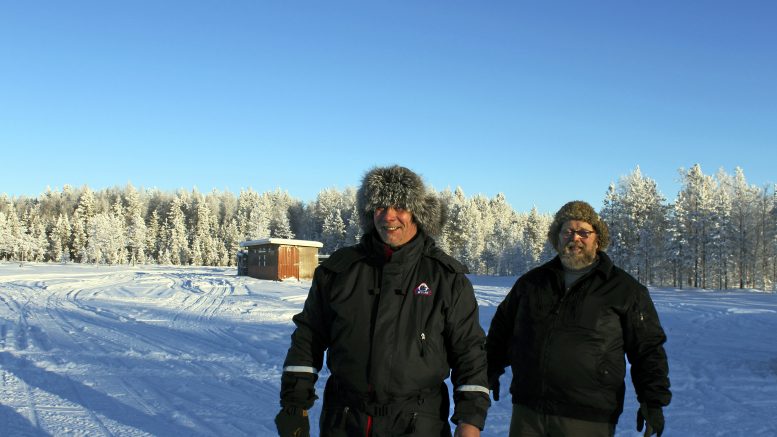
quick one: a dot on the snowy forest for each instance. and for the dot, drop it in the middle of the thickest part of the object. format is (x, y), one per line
(718, 233)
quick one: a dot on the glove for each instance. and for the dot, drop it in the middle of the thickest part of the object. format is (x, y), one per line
(493, 384)
(293, 422)
(653, 417)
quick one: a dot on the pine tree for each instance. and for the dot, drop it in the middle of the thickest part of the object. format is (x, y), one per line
(176, 245)
(327, 201)
(105, 243)
(136, 226)
(742, 212)
(60, 237)
(35, 240)
(333, 232)
(353, 230)
(453, 237)
(17, 231)
(6, 237)
(204, 244)
(476, 223)
(500, 246)
(694, 210)
(153, 235)
(253, 213)
(231, 238)
(635, 213)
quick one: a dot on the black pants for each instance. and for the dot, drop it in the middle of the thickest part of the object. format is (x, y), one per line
(345, 414)
(529, 423)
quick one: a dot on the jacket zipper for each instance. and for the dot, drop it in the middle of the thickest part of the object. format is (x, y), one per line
(553, 325)
(423, 343)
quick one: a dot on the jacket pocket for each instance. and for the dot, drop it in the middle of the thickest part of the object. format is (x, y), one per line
(419, 424)
(338, 422)
(611, 374)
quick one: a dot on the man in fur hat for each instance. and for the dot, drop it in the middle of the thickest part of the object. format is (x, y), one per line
(395, 315)
(565, 327)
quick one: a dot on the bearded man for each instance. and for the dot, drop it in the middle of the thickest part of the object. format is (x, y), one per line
(565, 327)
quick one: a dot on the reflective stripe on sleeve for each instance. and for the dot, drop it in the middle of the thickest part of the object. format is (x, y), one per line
(478, 388)
(300, 369)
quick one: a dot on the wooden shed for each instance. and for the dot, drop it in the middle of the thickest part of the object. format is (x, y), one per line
(278, 258)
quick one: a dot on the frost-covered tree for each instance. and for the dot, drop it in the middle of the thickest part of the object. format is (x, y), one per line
(10, 234)
(16, 244)
(327, 201)
(34, 240)
(353, 230)
(476, 221)
(106, 239)
(85, 211)
(254, 215)
(59, 239)
(153, 236)
(637, 219)
(176, 244)
(743, 200)
(694, 212)
(333, 232)
(231, 237)
(766, 232)
(77, 238)
(136, 225)
(204, 246)
(280, 225)
(452, 238)
(502, 236)
(535, 239)
(721, 234)
(120, 230)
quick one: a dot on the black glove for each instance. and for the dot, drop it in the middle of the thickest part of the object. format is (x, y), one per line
(653, 416)
(293, 422)
(493, 384)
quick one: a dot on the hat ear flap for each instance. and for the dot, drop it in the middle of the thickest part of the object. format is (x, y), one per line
(430, 219)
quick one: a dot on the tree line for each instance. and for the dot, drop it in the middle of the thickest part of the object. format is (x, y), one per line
(719, 232)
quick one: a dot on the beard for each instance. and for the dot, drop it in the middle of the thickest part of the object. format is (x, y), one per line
(577, 259)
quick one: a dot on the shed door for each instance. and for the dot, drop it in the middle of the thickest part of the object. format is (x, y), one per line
(288, 262)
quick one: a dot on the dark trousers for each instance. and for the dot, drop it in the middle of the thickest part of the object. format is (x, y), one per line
(529, 423)
(345, 414)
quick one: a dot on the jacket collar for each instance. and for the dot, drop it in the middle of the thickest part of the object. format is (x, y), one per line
(377, 251)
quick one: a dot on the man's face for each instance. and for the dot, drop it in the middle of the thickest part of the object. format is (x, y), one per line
(395, 225)
(575, 250)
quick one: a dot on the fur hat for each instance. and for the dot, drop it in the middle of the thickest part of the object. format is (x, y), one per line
(401, 187)
(579, 210)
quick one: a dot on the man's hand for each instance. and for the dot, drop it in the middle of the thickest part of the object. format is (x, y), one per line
(466, 430)
(493, 383)
(653, 417)
(293, 422)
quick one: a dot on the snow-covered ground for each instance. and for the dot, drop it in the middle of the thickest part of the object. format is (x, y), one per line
(138, 351)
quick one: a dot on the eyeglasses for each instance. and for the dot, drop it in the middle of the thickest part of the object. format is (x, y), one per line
(582, 233)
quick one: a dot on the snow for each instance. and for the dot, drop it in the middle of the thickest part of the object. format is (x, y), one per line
(164, 351)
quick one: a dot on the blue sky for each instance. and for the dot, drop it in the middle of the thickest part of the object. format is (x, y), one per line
(542, 101)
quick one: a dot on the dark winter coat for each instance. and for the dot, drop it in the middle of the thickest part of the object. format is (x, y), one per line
(393, 330)
(566, 346)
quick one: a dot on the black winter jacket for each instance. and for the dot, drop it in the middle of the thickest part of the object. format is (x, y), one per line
(393, 330)
(566, 347)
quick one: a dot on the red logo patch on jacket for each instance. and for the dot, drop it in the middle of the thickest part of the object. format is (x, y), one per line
(423, 289)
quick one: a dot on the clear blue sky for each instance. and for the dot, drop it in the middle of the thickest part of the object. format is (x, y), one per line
(543, 101)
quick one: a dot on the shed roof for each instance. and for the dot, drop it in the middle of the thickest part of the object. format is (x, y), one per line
(281, 241)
